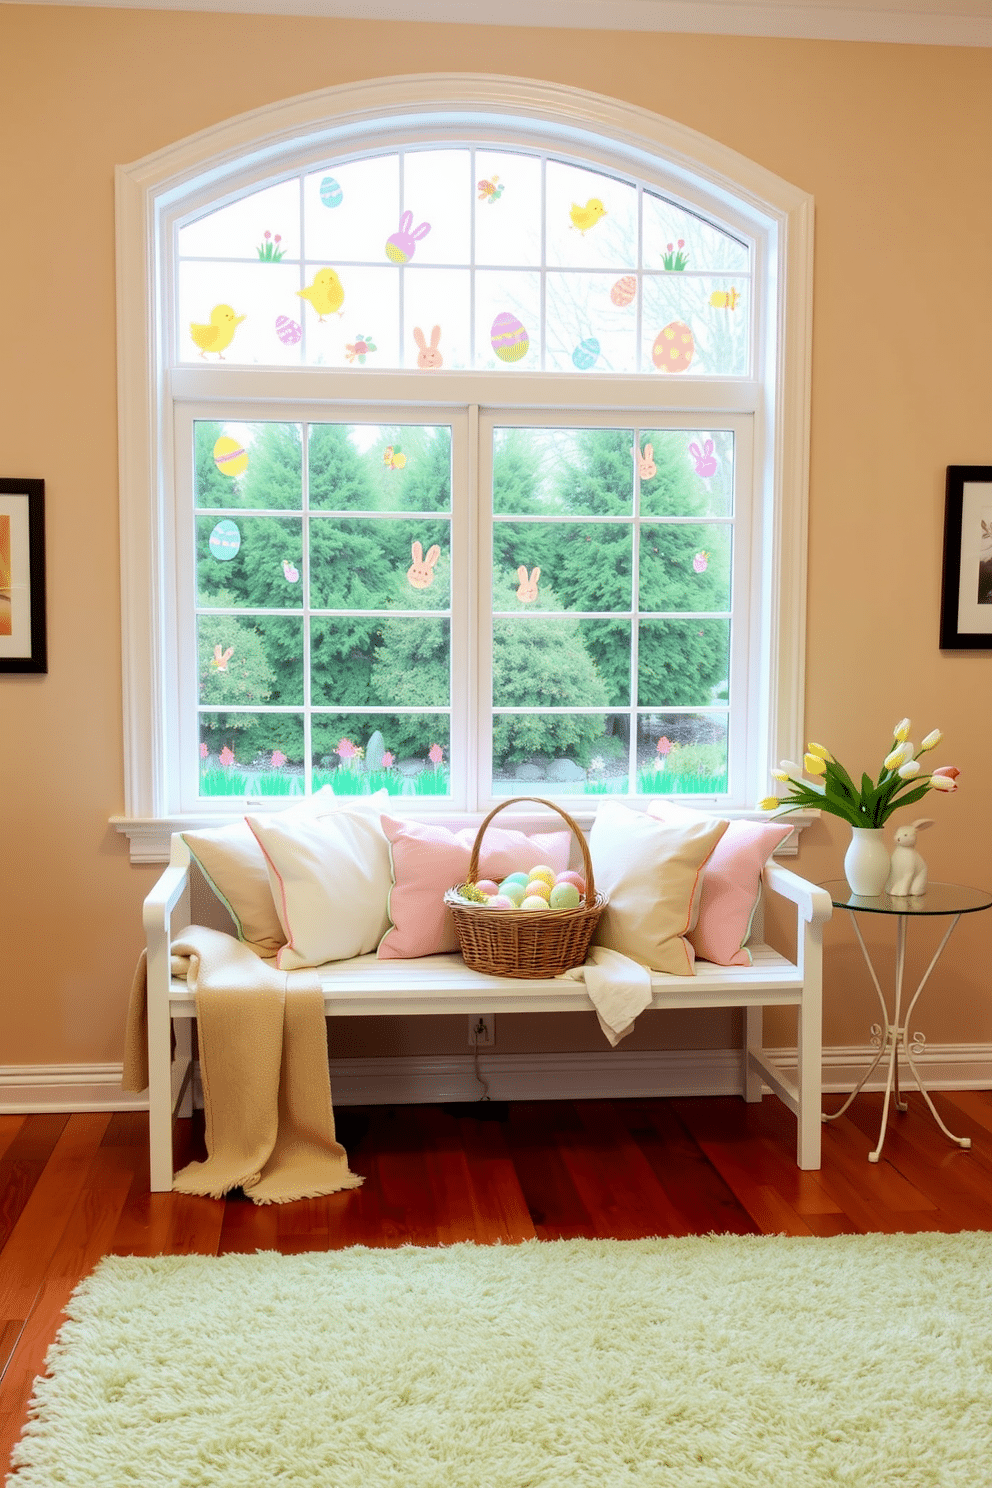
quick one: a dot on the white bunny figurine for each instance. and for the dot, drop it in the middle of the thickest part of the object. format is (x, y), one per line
(908, 873)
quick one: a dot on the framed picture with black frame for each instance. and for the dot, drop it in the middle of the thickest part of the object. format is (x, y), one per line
(966, 593)
(23, 635)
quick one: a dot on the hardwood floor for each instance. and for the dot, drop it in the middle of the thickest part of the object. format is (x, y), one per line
(75, 1188)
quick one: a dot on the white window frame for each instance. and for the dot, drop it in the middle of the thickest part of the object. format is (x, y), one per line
(221, 163)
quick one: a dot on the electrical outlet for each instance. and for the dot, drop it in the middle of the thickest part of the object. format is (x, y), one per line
(481, 1030)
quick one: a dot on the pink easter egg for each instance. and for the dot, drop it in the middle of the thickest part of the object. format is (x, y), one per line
(673, 347)
(624, 290)
(537, 887)
(288, 331)
(500, 901)
(487, 886)
(570, 876)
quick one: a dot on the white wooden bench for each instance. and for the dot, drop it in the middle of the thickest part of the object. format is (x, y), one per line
(366, 986)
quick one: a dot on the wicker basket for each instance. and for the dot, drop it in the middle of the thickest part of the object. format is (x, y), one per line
(525, 943)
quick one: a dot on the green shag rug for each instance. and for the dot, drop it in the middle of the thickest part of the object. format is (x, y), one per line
(717, 1362)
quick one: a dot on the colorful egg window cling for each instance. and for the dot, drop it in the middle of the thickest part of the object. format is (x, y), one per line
(290, 332)
(490, 191)
(230, 457)
(624, 291)
(358, 350)
(225, 540)
(509, 337)
(583, 218)
(724, 299)
(393, 457)
(218, 335)
(703, 460)
(402, 245)
(330, 192)
(673, 348)
(701, 562)
(586, 354)
(325, 293)
(290, 572)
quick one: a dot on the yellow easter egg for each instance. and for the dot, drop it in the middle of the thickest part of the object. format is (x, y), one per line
(534, 901)
(229, 457)
(543, 871)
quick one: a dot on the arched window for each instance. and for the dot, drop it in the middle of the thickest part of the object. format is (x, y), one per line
(474, 453)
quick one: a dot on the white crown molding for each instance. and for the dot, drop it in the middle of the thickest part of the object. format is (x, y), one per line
(959, 23)
(613, 1074)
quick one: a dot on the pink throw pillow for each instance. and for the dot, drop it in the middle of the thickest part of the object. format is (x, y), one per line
(731, 884)
(428, 860)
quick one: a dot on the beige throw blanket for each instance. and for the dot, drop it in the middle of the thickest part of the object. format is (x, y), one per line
(263, 1063)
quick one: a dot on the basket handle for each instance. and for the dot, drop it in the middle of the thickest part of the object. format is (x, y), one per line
(473, 866)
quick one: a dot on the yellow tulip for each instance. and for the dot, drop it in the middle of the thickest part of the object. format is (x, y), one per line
(821, 753)
(901, 731)
(770, 803)
(931, 741)
(779, 775)
(813, 764)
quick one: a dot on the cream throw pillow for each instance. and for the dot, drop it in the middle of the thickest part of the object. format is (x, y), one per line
(234, 865)
(652, 874)
(330, 880)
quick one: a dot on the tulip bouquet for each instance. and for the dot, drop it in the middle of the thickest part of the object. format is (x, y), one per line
(901, 782)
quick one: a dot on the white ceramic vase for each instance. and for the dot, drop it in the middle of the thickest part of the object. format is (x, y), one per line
(866, 862)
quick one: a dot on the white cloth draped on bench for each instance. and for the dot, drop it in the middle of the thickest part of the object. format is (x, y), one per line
(263, 1063)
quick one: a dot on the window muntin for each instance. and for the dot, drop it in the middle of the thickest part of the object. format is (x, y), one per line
(525, 262)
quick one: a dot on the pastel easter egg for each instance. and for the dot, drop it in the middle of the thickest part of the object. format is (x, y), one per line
(330, 192)
(534, 901)
(229, 457)
(225, 540)
(624, 290)
(543, 871)
(510, 340)
(520, 878)
(565, 896)
(586, 353)
(487, 886)
(570, 876)
(515, 892)
(288, 331)
(501, 901)
(539, 889)
(673, 347)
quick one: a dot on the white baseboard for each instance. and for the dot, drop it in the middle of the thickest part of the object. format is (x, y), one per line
(608, 1075)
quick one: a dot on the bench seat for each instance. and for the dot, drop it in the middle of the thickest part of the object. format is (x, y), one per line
(431, 985)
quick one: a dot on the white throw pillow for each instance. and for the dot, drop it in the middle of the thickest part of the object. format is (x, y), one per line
(234, 865)
(652, 873)
(330, 880)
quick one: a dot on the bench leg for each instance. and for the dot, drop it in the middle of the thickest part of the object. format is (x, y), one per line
(753, 1039)
(809, 1050)
(160, 1098)
(183, 1028)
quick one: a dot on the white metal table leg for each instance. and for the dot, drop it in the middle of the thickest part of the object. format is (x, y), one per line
(961, 1141)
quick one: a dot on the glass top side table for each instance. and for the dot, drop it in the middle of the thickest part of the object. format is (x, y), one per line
(940, 899)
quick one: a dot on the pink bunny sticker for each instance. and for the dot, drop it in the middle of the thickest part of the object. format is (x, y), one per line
(646, 468)
(527, 593)
(428, 357)
(221, 658)
(703, 459)
(421, 570)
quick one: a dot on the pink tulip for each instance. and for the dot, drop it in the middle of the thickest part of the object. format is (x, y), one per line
(346, 749)
(945, 779)
(226, 756)
(951, 771)
(435, 754)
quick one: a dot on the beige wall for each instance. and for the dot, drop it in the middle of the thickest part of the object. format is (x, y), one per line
(893, 144)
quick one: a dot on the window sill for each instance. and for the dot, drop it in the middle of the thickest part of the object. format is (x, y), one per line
(150, 837)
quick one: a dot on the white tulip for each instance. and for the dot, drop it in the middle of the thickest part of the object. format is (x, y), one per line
(909, 769)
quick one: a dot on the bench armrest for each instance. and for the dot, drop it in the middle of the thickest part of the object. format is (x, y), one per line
(812, 902)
